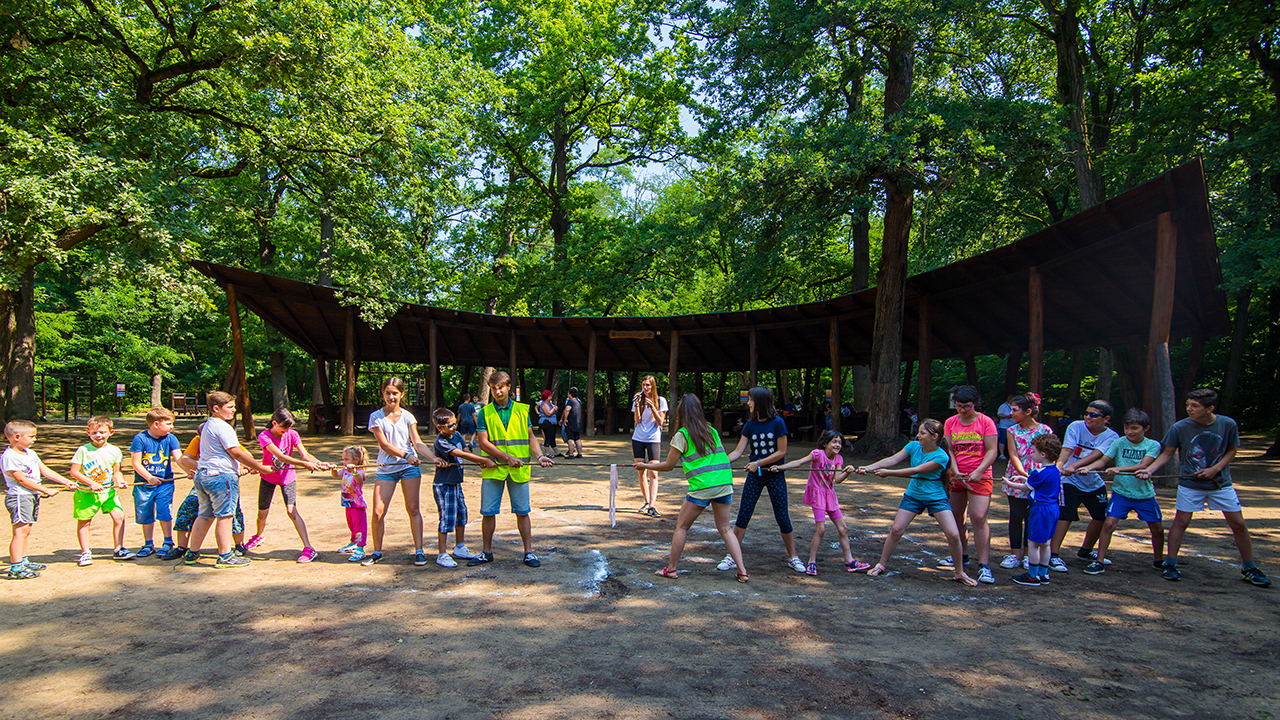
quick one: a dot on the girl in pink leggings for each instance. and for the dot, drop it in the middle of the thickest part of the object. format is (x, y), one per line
(354, 458)
(820, 494)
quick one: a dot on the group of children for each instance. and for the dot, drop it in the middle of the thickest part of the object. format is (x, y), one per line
(949, 466)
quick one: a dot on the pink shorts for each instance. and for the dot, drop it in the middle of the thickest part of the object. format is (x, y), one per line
(820, 516)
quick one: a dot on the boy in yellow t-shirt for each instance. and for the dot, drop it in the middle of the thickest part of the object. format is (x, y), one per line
(96, 469)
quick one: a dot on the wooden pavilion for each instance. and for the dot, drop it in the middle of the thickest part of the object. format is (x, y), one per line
(1138, 269)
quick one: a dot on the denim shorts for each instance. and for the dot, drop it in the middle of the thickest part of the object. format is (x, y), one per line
(725, 499)
(916, 505)
(408, 472)
(153, 502)
(219, 494)
(491, 496)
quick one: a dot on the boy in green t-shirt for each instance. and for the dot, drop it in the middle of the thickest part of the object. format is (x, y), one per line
(1128, 492)
(96, 469)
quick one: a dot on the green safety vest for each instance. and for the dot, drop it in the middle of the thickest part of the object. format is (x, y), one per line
(512, 439)
(707, 470)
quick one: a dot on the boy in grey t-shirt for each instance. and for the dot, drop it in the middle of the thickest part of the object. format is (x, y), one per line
(1207, 442)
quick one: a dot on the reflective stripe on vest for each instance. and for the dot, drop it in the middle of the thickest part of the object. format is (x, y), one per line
(707, 470)
(513, 439)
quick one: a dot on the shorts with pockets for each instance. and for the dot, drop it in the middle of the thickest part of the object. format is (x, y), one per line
(153, 502)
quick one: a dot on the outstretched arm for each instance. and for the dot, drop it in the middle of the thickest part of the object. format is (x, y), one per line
(673, 459)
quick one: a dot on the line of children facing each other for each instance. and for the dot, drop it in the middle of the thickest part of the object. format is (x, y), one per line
(1041, 505)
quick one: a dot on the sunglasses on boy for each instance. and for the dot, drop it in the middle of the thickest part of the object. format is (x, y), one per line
(1094, 414)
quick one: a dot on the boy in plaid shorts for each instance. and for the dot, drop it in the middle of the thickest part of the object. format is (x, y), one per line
(451, 447)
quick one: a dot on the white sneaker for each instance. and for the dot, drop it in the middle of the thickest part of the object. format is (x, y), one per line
(795, 564)
(443, 560)
(985, 576)
(1026, 563)
(86, 559)
(1010, 562)
(1057, 565)
(727, 563)
(461, 552)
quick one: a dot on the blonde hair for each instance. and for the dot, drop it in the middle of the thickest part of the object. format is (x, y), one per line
(98, 420)
(358, 451)
(16, 426)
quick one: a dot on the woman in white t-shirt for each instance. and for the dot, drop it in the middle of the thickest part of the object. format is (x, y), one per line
(650, 412)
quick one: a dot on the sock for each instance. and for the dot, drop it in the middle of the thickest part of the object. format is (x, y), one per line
(1250, 565)
(1053, 555)
(25, 560)
(1044, 571)
(225, 556)
(168, 540)
(15, 567)
(1171, 560)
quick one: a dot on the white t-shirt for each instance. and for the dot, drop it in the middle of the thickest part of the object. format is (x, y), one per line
(648, 430)
(1005, 422)
(1081, 443)
(397, 435)
(27, 463)
(215, 438)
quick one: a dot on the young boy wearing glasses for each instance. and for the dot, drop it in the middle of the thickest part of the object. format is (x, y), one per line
(1085, 442)
(451, 447)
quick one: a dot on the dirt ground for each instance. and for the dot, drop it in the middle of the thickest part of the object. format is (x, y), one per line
(593, 633)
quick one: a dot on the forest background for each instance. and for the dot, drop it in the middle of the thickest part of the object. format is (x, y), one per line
(599, 157)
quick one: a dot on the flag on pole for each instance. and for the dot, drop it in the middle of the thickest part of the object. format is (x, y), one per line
(613, 496)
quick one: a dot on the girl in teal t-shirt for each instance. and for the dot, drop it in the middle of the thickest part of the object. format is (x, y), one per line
(927, 491)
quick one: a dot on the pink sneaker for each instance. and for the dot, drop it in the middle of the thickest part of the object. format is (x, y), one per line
(308, 555)
(254, 542)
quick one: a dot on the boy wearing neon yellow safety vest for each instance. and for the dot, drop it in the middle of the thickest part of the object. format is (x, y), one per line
(696, 447)
(504, 433)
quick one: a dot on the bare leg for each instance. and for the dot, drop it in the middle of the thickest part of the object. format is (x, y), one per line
(1157, 540)
(525, 526)
(298, 524)
(411, 487)
(788, 541)
(261, 525)
(442, 540)
(382, 494)
(819, 529)
(82, 534)
(721, 513)
(644, 485)
(199, 528)
(1059, 534)
(459, 532)
(900, 523)
(222, 534)
(117, 529)
(488, 523)
(1180, 522)
(959, 502)
(1235, 520)
(947, 522)
(1091, 534)
(1104, 540)
(688, 513)
(978, 508)
(149, 533)
(18, 545)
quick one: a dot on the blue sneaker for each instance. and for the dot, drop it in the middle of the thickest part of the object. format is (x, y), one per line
(419, 558)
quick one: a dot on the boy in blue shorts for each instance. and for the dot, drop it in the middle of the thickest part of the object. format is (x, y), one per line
(96, 469)
(22, 470)
(1045, 485)
(152, 453)
(1134, 452)
(1207, 442)
(451, 447)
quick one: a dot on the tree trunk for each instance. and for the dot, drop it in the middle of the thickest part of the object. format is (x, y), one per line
(1012, 368)
(1071, 89)
(1106, 370)
(279, 380)
(157, 394)
(1073, 386)
(21, 382)
(1235, 360)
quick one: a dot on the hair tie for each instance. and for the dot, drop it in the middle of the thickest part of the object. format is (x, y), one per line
(1034, 397)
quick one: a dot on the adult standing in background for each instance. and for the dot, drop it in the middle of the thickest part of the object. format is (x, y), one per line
(650, 412)
(572, 421)
(548, 424)
(1004, 421)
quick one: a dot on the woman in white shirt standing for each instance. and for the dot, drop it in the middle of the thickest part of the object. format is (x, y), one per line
(650, 412)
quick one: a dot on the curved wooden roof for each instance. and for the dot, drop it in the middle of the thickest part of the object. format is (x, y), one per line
(1097, 270)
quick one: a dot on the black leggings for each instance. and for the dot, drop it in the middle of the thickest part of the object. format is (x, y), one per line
(1019, 509)
(776, 483)
(549, 436)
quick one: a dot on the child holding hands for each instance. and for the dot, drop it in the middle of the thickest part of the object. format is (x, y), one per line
(1045, 486)
(96, 470)
(351, 473)
(22, 470)
(450, 447)
(820, 495)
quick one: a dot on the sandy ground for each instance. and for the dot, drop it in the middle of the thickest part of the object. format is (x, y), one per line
(593, 633)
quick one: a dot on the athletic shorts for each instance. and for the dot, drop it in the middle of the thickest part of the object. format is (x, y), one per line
(267, 491)
(915, 505)
(84, 505)
(1095, 501)
(491, 496)
(574, 435)
(961, 484)
(820, 515)
(219, 493)
(647, 451)
(153, 502)
(1148, 509)
(1192, 500)
(1042, 522)
(23, 509)
(466, 427)
(451, 504)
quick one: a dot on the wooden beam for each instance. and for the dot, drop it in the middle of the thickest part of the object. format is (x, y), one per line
(1159, 376)
(673, 367)
(237, 347)
(1035, 334)
(349, 362)
(433, 359)
(924, 378)
(590, 429)
(833, 344)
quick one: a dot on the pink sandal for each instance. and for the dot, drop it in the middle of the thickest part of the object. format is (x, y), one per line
(666, 572)
(857, 566)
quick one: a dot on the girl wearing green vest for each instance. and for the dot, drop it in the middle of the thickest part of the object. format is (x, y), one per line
(696, 447)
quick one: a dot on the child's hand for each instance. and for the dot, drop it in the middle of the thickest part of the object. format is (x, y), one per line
(48, 491)
(861, 470)
(121, 484)
(153, 480)
(774, 469)
(1111, 472)
(94, 486)
(881, 472)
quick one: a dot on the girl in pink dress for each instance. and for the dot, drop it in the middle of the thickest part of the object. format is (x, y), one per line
(825, 472)
(354, 458)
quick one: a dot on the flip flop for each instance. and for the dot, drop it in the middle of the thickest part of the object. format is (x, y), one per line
(666, 572)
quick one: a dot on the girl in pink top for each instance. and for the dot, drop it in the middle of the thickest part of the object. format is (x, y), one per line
(972, 437)
(354, 458)
(825, 472)
(1025, 414)
(279, 441)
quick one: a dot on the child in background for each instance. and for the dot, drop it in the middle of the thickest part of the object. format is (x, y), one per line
(928, 456)
(151, 454)
(96, 469)
(1134, 452)
(820, 495)
(278, 442)
(1024, 410)
(352, 475)
(22, 470)
(1045, 486)
(447, 486)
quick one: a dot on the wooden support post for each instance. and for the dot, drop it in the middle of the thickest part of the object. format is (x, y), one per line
(610, 413)
(971, 370)
(1159, 376)
(673, 381)
(512, 363)
(906, 383)
(349, 363)
(924, 378)
(1035, 334)
(319, 386)
(464, 387)
(1193, 367)
(833, 343)
(590, 429)
(237, 348)
(434, 366)
(751, 379)
(784, 388)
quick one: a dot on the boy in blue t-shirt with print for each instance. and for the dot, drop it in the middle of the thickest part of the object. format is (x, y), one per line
(1045, 485)
(152, 453)
(1134, 452)
(451, 447)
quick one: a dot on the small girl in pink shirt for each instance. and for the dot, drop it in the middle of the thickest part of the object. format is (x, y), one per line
(825, 472)
(354, 458)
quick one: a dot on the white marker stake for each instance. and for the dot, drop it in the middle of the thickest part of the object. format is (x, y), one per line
(613, 496)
